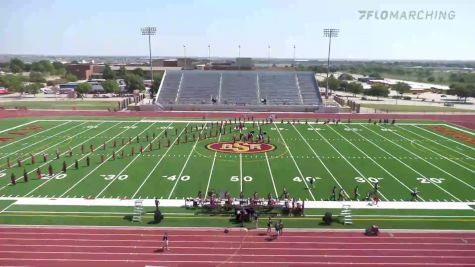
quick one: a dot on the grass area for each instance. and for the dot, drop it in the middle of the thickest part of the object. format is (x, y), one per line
(416, 78)
(62, 104)
(120, 216)
(400, 157)
(413, 108)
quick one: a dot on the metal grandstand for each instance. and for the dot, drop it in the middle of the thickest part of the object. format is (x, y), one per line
(251, 90)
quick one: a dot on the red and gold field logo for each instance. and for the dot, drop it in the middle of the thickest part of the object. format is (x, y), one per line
(240, 147)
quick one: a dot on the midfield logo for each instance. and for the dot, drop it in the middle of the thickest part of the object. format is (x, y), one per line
(240, 147)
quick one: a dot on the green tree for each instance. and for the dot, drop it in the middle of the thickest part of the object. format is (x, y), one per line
(33, 88)
(377, 90)
(139, 72)
(460, 90)
(108, 73)
(83, 88)
(401, 88)
(16, 65)
(111, 86)
(431, 79)
(345, 77)
(122, 72)
(333, 83)
(134, 82)
(37, 77)
(70, 77)
(355, 88)
(12, 82)
(59, 68)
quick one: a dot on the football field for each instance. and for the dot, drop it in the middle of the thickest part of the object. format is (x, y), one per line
(173, 159)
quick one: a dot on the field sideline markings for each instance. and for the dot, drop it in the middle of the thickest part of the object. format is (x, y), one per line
(445, 137)
(459, 129)
(51, 160)
(271, 176)
(69, 189)
(316, 155)
(293, 159)
(156, 165)
(375, 162)
(186, 162)
(440, 155)
(32, 135)
(441, 188)
(44, 139)
(18, 126)
(351, 164)
(64, 153)
(430, 163)
(212, 166)
(466, 156)
(128, 164)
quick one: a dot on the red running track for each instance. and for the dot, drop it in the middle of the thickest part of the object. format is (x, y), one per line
(133, 247)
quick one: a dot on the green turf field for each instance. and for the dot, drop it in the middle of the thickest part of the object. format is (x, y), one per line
(400, 157)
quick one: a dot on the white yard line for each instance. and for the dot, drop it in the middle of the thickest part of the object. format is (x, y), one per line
(18, 126)
(293, 159)
(459, 129)
(156, 165)
(186, 162)
(271, 176)
(42, 184)
(375, 162)
(69, 189)
(32, 135)
(212, 166)
(417, 172)
(440, 155)
(240, 170)
(321, 161)
(349, 163)
(42, 140)
(128, 164)
(440, 135)
(430, 163)
(51, 160)
(7, 207)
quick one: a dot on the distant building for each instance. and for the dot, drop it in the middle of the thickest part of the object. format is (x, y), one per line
(82, 71)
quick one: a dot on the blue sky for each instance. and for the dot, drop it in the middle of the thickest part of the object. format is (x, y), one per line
(112, 27)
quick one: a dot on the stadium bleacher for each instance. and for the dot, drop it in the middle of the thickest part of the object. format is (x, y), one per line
(243, 88)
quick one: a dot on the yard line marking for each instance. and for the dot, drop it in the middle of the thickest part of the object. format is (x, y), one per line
(240, 169)
(126, 129)
(293, 159)
(375, 162)
(212, 166)
(29, 136)
(358, 171)
(271, 176)
(433, 141)
(128, 164)
(430, 163)
(18, 126)
(42, 140)
(321, 161)
(440, 135)
(440, 155)
(423, 176)
(51, 160)
(156, 165)
(42, 184)
(186, 162)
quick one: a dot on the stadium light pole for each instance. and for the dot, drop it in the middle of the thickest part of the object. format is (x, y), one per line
(184, 54)
(239, 57)
(149, 31)
(268, 55)
(329, 33)
(209, 56)
(294, 59)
